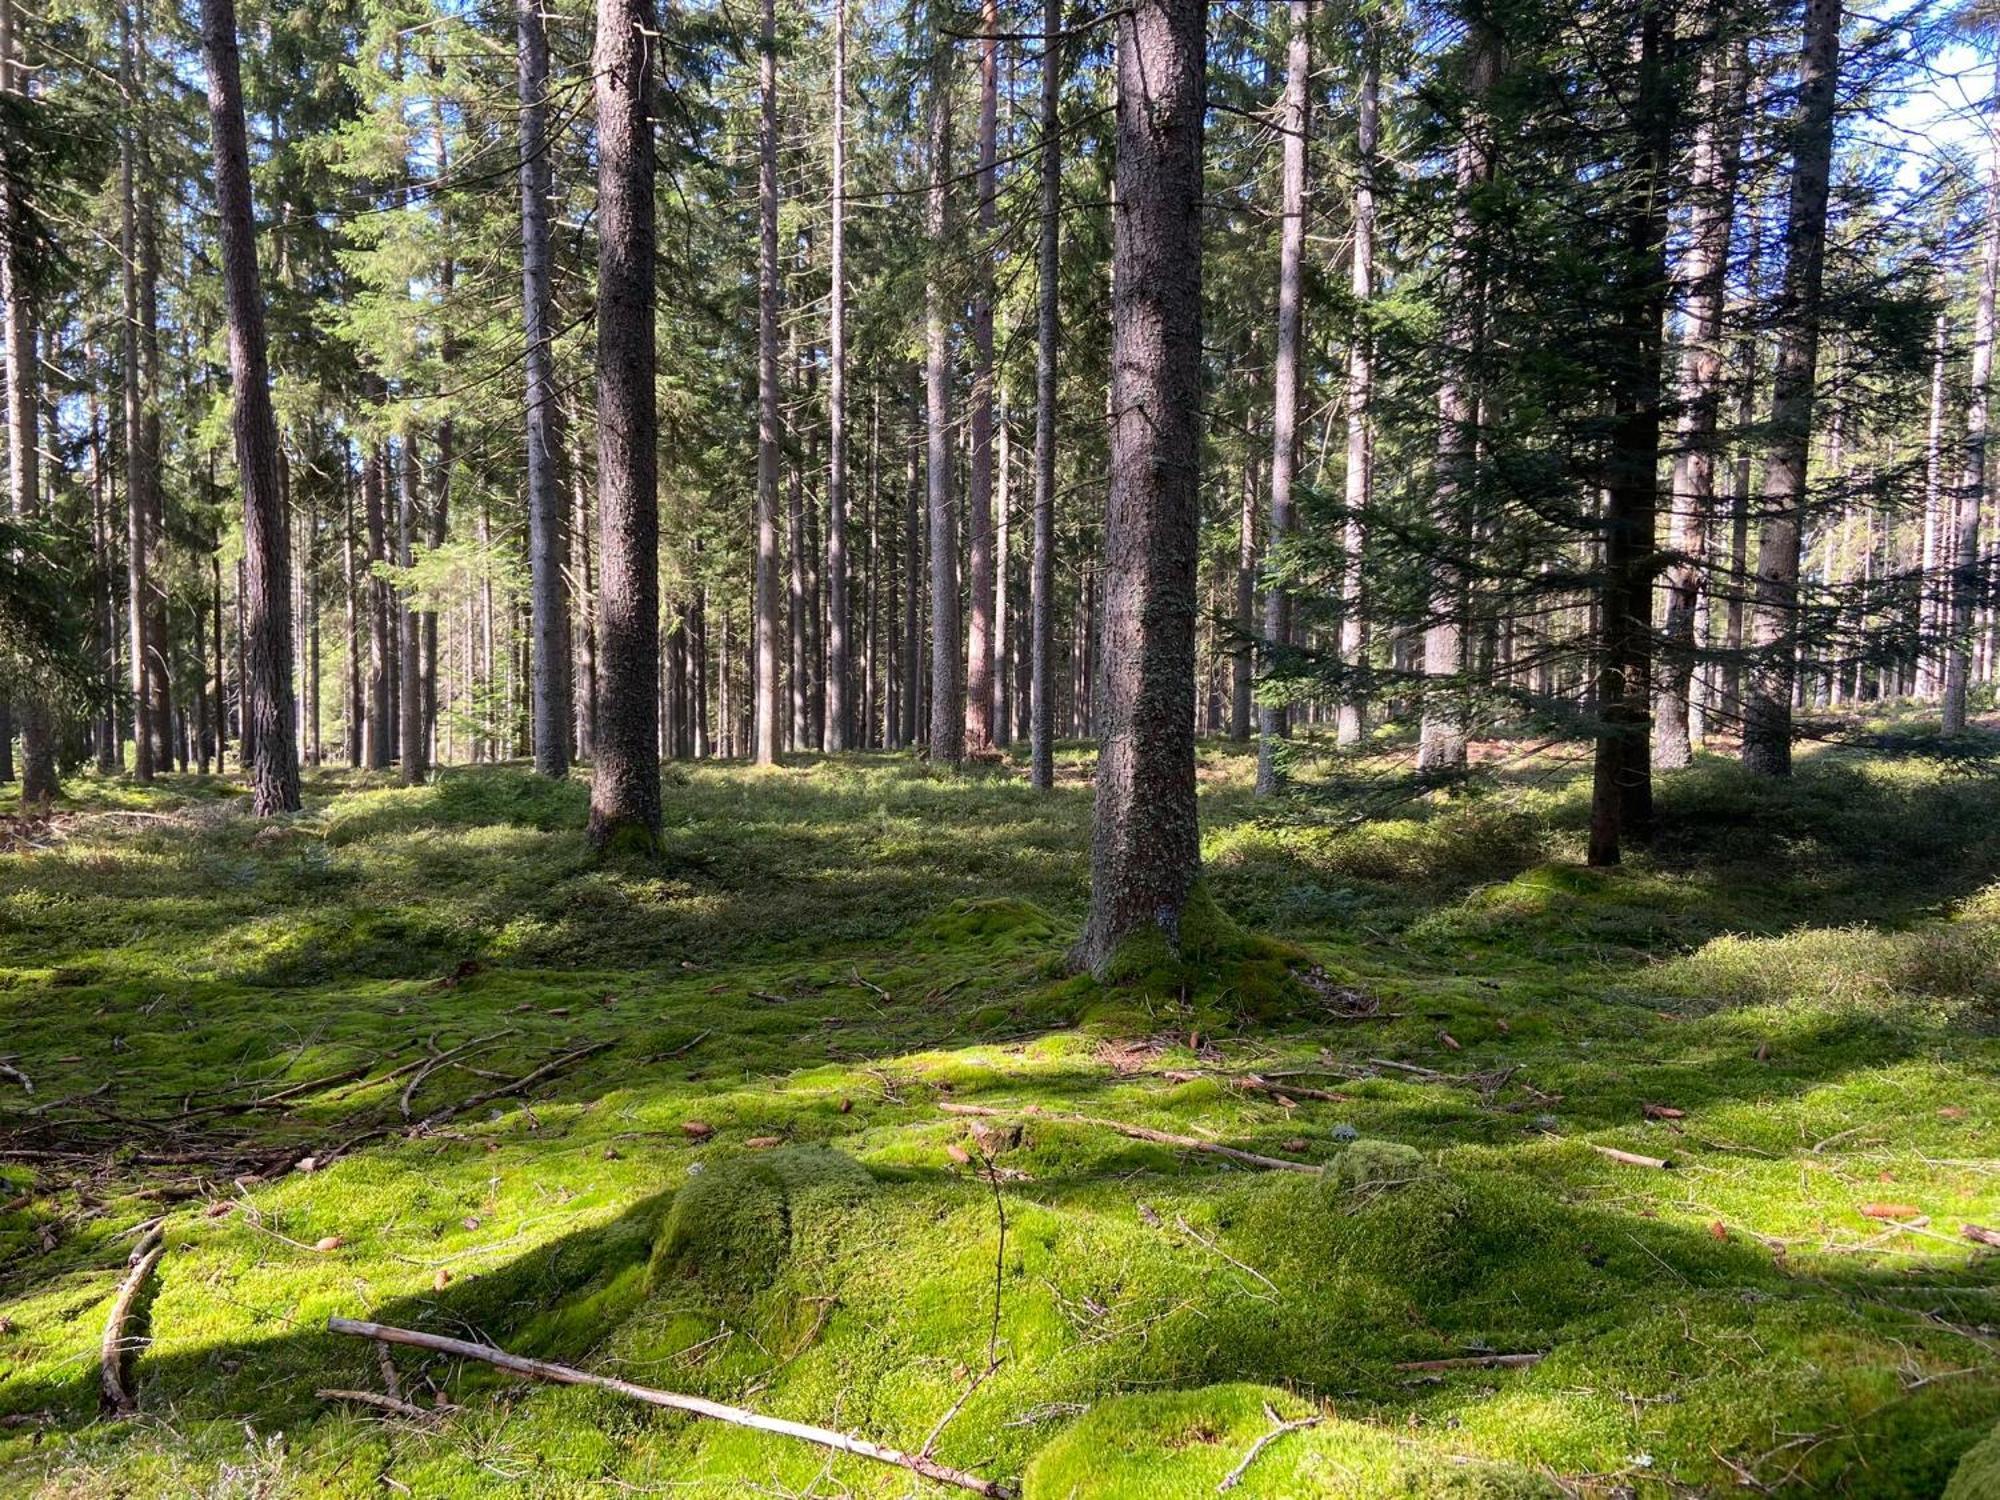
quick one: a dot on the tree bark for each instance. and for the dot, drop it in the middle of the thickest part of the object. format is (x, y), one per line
(1295, 115)
(1704, 277)
(1145, 848)
(1931, 590)
(138, 548)
(1971, 499)
(1041, 566)
(268, 718)
(410, 695)
(1360, 485)
(947, 716)
(378, 730)
(979, 490)
(548, 535)
(625, 784)
(770, 422)
(1767, 709)
(838, 714)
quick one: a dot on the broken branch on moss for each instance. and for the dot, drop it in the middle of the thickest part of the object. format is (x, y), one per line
(1137, 1133)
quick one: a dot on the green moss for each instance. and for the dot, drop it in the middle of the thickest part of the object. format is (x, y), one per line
(1369, 1162)
(731, 1228)
(1977, 1476)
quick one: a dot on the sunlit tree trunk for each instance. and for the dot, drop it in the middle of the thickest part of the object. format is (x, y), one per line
(839, 715)
(1360, 485)
(979, 489)
(1041, 565)
(625, 781)
(947, 718)
(1767, 708)
(1145, 850)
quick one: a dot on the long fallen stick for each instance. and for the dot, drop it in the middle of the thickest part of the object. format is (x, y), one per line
(1138, 1133)
(1475, 1362)
(519, 1085)
(538, 1369)
(119, 1400)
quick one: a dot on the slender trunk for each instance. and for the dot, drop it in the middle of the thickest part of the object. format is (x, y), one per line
(1041, 566)
(947, 718)
(138, 549)
(379, 729)
(1931, 589)
(625, 784)
(979, 487)
(1242, 661)
(410, 693)
(352, 620)
(1767, 711)
(912, 571)
(1145, 849)
(1273, 720)
(770, 428)
(1003, 535)
(1360, 491)
(1622, 791)
(548, 535)
(839, 716)
(1971, 500)
(274, 772)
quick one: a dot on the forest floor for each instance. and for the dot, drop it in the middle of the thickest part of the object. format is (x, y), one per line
(295, 1041)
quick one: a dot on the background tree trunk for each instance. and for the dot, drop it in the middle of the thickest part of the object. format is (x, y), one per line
(1041, 565)
(838, 714)
(1145, 856)
(947, 717)
(770, 422)
(979, 491)
(625, 784)
(1360, 488)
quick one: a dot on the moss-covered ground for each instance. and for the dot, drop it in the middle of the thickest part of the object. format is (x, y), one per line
(749, 1190)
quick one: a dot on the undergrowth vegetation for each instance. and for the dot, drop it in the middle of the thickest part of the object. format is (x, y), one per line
(737, 1177)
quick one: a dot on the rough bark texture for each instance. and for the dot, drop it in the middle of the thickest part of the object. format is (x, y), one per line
(1704, 279)
(138, 548)
(1971, 498)
(1296, 122)
(770, 422)
(1621, 808)
(838, 714)
(979, 489)
(1767, 708)
(1930, 602)
(379, 733)
(1041, 565)
(410, 694)
(548, 536)
(268, 716)
(625, 784)
(1360, 486)
(1145, 853)
(1441, 747)
(947, 716)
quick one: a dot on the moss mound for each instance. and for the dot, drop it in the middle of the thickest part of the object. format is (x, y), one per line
(1368, 1161)
(731, 1229)
(1179, 1445)
(1978, 1474)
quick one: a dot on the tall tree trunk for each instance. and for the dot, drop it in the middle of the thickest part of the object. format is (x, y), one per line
(1360, 491)
(138, 549)
(1971, 500)
(410, 694)
(355, 688)
(1931, 590)
(838, 714)
(274, 770)
(625, 784)
(1242, 659)
(947, 718)
(146, 431)
(1041, 565)
(1767, 710)
(979, 488)
(912, 553)
(548, 533)
(1273, 720)
(1145, 855)
(1442, 744)
(1704, 277)
(1003, 535)
(1622, 790)
(379, 729)
(770, 421)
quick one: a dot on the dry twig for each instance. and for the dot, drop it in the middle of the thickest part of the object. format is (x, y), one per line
(119, 1399)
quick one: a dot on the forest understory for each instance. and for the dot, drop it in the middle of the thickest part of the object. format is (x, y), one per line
(753, 1157)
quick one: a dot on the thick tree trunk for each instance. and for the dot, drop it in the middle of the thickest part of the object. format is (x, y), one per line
(268, 718)
(625, 784)
(138, 549)
(979, 489)
(1295, 115)
(548, 534)
(1442, 744)
(1704, 278)
(770, 422)
(1360, 490)
(1971, 499)
(1621, 807)
(1767, 710)
(410, 693)
(1145, 848)
(1041, 565)
(838, 714)
(379, 728)
(947, 717)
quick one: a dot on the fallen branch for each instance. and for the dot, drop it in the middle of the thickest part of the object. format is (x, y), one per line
(119, 1400)
(1979, 1234)
(525, 1081)
(1278, 1429)
(1632, 1159)
(380, 1402)
(14, 1075)
(438, 1059)
(1476, 1362)
(537, 1369)
(1137, 1133)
